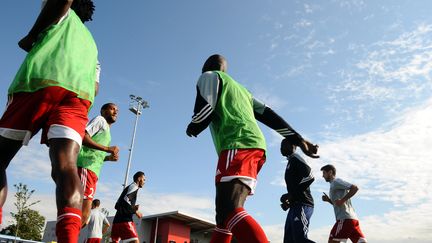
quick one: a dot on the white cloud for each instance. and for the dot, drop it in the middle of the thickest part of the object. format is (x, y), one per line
(394, 73)
(388, 158)
(303, 23)
(31, 162)
(265, 95)
(351, 4)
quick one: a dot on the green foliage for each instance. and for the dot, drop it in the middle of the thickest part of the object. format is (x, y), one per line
(30, 226)
(28, 222)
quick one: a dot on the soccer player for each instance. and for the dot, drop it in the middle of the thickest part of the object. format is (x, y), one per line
(53, 90)
(231, 111)
(298, 178)
(97, 223)
(123, 225)
(96, 144)
(347, 225)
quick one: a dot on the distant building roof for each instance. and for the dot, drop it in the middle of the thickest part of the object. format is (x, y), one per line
(196, 224)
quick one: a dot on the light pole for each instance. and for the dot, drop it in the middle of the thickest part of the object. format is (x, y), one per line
(136, 105)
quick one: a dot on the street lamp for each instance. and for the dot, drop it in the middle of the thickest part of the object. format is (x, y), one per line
(136, 105)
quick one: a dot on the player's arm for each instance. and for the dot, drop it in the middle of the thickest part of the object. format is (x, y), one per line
(208, 90)
(326, 198)
(51, 14)
(113, 150)
(306, 177)
(138, 213)
(98, 70)
(106, 225)
(128, 202)
(352, 191)
(94, 126)
(268, 117)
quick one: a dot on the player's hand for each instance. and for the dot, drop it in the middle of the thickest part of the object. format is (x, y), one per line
(189, 131)
(113, 150)
(27, 42)
(309, 149)
(285, 197)
(138, 214)
(325, 197)
(112, 157)
(285, 206)
(339, 202)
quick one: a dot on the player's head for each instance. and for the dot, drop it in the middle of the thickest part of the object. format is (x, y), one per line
(287, 148)
(329, 172)
(139, 178)
(95, 203)
(84, 9)
(215, 62)
(109, 112)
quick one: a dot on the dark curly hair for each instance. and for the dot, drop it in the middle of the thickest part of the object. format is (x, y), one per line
(84, 9)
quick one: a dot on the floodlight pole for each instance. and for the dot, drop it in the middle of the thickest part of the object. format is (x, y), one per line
(137, 104)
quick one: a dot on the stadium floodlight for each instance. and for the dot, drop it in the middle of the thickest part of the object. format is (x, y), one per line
(136, 105)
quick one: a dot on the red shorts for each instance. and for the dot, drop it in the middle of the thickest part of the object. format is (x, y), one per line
(123, 231)
(88, 181)
(345, 229)
(242, 164)
(93, 240)
(55, 110)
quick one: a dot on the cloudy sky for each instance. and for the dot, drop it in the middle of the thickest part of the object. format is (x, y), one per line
(352, 76)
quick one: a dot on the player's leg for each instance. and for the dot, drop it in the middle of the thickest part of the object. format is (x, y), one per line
(20, 121)
(237, 170)
(88, 182)
(356, 234)
(135, 240)
(301, 217)
(63, 153)
(64, 131)
(126, 231)
(8, 149)
(230, 198)
(338, 233)
(86, 209)
(288, 230)
(115, 233)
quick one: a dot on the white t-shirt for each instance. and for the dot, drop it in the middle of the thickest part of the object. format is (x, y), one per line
(97, 220)
(97, 124)
(338, 189)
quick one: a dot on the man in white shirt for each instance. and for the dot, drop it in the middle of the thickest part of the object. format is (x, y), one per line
(347, 225)
(97, 225)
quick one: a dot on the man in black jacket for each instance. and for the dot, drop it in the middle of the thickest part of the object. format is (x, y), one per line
(298, 178)
(123, 225)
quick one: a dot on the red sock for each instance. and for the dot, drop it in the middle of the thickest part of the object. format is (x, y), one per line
(221, 236)
(68, 225)
(1, 215)
(245, 228)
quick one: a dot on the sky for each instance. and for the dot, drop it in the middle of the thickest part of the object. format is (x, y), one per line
(352, 76)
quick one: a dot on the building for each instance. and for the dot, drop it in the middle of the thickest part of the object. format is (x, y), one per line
(170, 227)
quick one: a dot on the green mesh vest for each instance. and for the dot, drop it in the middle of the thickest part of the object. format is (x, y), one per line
(65, 55)
(93, 159)
(234, 125)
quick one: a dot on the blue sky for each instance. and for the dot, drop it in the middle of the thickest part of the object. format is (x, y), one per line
(352, 76)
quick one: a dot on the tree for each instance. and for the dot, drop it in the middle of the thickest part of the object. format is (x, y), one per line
(29, 223)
